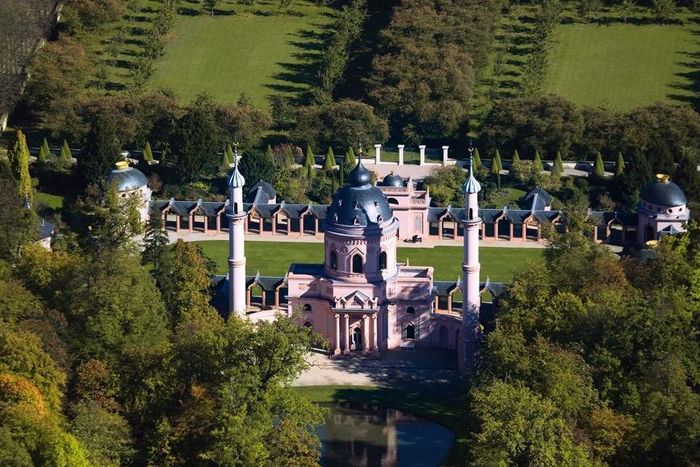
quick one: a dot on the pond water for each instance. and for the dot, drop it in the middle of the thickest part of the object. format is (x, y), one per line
(363, 435)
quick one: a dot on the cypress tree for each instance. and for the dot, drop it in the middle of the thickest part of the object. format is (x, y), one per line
(309, 160)
(229, 154)
(598, 167)
(225, 164)
(329, 161)
(20, 166)
(537, 162)
(350, 160)
(269, 152)
(477, 159)
(65, 157)
(288, 156)
(147, 152)
(516, 157)
(44, 153)
(619, 165)
(496, 167)
(558, 164)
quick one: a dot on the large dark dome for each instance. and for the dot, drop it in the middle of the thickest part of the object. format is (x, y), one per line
(360, 203)
(126, 178)
(663, 192)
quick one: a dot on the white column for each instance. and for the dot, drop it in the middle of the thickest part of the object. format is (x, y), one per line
(421, 148)
(337, 335)
(365, 334)
(444, 154)
(236, 259)
(346, 350)
(377, 153)
(471, 301)
(401, 146)
(375, 337)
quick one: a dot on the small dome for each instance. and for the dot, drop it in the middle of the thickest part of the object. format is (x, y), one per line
(663, 192)
(126, 178)
(393, 180)
(359, 176)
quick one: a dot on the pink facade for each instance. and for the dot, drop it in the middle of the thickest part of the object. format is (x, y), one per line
(361, 299)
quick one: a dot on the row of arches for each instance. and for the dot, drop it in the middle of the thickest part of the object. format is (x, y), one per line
(357, 262)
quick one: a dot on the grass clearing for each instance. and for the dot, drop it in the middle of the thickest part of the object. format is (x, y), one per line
(274, 258)
(623, 66)
(258, 50)
(49, 200)
(446, 411)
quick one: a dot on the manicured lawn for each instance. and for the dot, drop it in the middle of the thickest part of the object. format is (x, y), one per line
(446, 411)
(258, 50)
(49, 200)
(274, 258)
(622, 66)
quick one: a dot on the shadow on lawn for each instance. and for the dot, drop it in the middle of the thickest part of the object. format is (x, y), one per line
(689, 79)
(298, 78)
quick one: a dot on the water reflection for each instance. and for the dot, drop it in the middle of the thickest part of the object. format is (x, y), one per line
(363, 435)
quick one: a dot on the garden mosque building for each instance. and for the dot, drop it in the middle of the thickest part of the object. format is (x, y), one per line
(361, 299)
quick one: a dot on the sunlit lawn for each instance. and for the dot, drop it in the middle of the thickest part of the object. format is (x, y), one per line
(274, 258)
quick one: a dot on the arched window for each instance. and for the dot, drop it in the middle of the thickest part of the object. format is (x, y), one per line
(308, 324)
(471, 214)
(410, 310)
(357, 263)
(307, 308)
(235, 208)
(382, 260)
(410, 332)
(334, 260)
(393, 201)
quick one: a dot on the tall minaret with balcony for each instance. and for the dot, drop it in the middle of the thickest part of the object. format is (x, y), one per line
(471, 301)
(236, 246)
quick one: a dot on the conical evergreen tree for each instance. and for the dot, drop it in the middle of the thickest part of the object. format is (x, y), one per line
(598, 166)
(619, 165)
(309, 162)
(558, 164)
(65, 157)
(269, 152)
(147, 152)
(496, 164)
(20, 166)
(557, 169)
(496, 167)
(288, 156)
(229, 154)
(537, 162)
(329, 161)
(350, 159)
(477, 159)
(225, 165)
(516, 157)
(44, 153)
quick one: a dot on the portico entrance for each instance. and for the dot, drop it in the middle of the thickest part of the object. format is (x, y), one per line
(357, 339)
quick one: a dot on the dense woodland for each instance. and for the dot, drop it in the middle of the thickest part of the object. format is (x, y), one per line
(104, 362)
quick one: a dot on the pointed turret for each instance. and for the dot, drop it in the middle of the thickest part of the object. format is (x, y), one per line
(236, 257)
(471, 303)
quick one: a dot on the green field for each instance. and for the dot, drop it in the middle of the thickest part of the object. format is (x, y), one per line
(274, 258)
(258, 50)
(623, 66)
(49, 200)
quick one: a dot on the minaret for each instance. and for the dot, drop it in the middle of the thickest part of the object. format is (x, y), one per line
(236, 246)
(471, 301)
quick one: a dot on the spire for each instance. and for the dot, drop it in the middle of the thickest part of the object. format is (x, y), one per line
(236, 180)
(471, 185)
